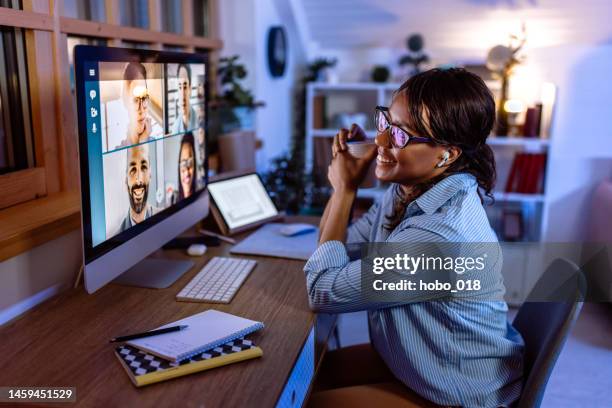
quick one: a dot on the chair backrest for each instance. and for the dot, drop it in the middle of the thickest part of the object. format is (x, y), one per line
(544, 321)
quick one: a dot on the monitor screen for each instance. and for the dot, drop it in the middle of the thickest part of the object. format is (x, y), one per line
(242, 200)
(145, 133)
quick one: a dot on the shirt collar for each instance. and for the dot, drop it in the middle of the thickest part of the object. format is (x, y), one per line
(443, 191)
(132, 222)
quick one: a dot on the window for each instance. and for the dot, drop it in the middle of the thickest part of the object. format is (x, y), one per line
(135, 13)
(85, 10)
(10, 4)
(172, 16)
(200, 18)
(16, 142)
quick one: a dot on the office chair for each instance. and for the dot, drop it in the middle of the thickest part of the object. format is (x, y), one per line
(544, 321)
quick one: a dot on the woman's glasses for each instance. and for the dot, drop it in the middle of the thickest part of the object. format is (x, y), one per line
(141, 101)
(399, 137)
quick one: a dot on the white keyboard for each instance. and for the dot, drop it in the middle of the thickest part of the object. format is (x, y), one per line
(218, 281)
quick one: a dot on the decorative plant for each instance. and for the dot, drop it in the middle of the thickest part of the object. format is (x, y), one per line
(231, 95)
(315, 68)
(380, 73)
(287, 182)
(230, 72)
(501, 61)
(416, 56)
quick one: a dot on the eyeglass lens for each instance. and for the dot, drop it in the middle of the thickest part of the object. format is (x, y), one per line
(398, 136)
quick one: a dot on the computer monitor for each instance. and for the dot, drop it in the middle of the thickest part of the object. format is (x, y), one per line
(143, 159)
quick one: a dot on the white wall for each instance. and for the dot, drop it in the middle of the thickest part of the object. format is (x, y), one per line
(33, 276)
(244, 28)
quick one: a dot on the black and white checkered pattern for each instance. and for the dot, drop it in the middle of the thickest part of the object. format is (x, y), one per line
(141, 362)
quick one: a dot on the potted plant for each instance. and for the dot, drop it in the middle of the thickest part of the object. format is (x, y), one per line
(234, 106)
(320, 70)
(288, 184)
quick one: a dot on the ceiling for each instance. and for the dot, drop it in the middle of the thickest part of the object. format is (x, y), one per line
(450, 24)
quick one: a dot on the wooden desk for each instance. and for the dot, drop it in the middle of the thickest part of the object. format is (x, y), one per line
(64, 341)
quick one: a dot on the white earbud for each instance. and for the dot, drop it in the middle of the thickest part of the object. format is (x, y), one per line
(445, 158)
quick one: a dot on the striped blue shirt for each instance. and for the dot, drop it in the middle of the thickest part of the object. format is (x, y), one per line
(459, 351)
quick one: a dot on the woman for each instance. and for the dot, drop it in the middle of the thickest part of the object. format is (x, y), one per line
(187, 166)
(456, 350)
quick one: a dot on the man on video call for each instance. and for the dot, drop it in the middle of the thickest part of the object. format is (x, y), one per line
(136, 99)
(187, 117)
(137, 178)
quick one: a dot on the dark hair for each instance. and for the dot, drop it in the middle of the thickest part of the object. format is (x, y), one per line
(186, 67)
(134, 70)
(453, 107)
(189, 140)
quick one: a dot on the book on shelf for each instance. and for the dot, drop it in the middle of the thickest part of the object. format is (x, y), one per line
(527, 174)
(533, 118)
(318, 112)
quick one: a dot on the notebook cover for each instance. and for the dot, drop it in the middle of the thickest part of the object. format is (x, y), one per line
(144, 368)
(206, 331)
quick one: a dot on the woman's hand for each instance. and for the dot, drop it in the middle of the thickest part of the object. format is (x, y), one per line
(345, 173)
(344, 135)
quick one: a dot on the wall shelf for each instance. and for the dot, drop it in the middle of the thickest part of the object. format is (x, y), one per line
(530, 143)
(519, 197)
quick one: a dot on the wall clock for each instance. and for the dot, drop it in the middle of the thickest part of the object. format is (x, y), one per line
(277, 51)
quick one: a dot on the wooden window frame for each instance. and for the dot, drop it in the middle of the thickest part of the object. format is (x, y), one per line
(36, 191)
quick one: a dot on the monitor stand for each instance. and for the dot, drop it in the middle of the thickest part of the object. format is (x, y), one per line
(156, 273)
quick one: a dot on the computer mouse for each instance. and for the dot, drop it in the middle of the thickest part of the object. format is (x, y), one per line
(196, 249)
(291, 230)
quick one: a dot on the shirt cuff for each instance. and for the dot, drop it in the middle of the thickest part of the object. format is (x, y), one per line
(330, 254)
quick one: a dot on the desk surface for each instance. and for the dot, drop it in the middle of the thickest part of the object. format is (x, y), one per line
(64, 341)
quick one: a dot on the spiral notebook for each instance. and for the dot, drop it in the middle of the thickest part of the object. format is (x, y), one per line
(206, 331)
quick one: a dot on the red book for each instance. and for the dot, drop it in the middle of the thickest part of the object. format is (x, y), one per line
(513, 176)
(532, 122)
(539, 185)
(527, 174)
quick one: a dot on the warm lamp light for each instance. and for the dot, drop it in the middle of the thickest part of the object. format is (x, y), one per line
(513, 106)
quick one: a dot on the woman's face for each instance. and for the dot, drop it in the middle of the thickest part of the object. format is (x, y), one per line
(411, 165)
(187, 166)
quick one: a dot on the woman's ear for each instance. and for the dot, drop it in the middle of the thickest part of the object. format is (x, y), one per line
(454, 154)
(449, 155)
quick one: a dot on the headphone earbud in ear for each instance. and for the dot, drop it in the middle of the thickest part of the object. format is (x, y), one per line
(445, 158)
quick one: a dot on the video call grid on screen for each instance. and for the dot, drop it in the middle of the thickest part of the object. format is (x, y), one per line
(147, 122)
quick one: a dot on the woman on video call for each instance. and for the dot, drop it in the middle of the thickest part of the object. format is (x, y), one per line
(187, 166)
(455, 351)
